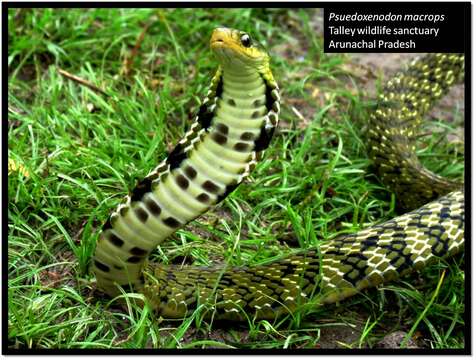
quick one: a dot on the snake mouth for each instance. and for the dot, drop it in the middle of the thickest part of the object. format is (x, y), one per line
(217, 43)
(218, 37)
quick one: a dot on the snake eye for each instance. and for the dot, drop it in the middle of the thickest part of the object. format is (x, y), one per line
(245, 40)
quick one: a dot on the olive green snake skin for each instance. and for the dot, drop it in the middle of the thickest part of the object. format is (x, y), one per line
(235, 123)
(394, 125)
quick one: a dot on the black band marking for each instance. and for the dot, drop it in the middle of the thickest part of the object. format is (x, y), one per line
(144, 186)
(241, 147)
(257, 103)
(204, 117)
(138, 251)
(229, 189)
(134, 259)
(264, 138)
(231, 102)
(107, 224)
(204, 198)
(141, 214)
(210, 187)
(219, 138)
(171, 222)
(247, 136)
(153, 207)
(219, 89)
(222, 128)
(176, 157)
(182, 181)
(115, 240)
(190, 172)
(101, 266)
(269, 96)
(256, 114)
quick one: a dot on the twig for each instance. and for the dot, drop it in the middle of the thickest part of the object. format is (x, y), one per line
(81, 81)
(298, 114)
(127, 64)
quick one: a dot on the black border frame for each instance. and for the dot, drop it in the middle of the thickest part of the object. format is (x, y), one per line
(464, 6)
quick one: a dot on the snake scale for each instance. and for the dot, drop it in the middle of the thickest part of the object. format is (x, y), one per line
(234, 125)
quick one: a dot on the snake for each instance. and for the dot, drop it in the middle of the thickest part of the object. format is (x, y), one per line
(393, 126)
(234, 125)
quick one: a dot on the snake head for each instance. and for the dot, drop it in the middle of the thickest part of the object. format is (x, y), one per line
(236, 49)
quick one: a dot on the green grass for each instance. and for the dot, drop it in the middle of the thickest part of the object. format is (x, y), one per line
(83, 151)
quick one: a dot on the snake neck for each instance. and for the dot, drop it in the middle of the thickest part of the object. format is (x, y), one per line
(241, 107)
(234, 124)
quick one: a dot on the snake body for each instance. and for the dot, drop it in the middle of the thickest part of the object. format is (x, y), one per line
(341, 268)
(393, 127)
(235, 123)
